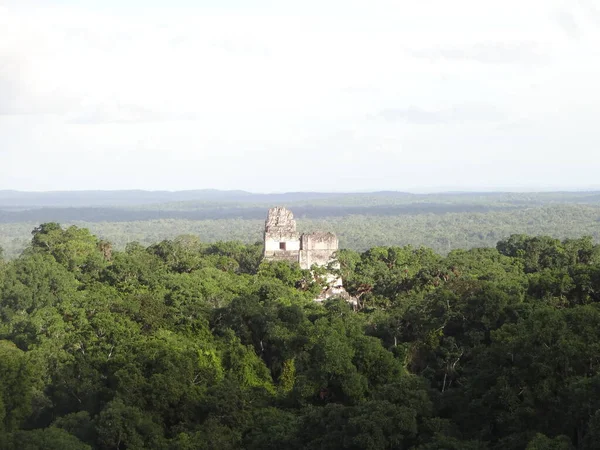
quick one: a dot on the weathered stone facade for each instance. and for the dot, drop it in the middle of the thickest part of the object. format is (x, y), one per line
(284, 243)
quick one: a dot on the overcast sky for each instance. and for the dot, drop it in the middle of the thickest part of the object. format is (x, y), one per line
(320, 95)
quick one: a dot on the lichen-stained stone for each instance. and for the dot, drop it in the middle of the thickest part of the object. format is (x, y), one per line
(284, 243)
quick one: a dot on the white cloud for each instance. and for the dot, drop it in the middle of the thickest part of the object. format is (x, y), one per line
(210, 97)
(568, 23)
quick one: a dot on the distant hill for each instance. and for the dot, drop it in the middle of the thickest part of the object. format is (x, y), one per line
(112, 198)
(199, 199)
(15, 199)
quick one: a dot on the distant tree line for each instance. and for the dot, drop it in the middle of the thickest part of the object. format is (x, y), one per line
(440, 231)
(224, 212)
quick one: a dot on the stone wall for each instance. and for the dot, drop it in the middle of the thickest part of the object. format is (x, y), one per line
(284, 243)
(317, 248)
(280, 221)
(319, 241)
(274, 243)
(290, 256)
(319, 257)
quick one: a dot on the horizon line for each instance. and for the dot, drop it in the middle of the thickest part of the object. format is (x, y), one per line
(426, 191)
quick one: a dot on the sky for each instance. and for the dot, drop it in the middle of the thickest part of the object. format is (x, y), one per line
(312, 95)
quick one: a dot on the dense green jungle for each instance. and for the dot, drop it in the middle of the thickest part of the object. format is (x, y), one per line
(442, 222)
(187, 344)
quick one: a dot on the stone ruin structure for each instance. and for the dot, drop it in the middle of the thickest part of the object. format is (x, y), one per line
(284, 243)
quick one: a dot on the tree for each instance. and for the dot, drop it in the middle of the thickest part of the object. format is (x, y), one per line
(542, 442)
(47, 439)
(75, 248)
(121, 426)
(16, 386)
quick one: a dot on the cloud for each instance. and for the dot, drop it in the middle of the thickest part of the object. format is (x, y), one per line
(16, 99)
(7, 96)
(208, 86)
(515, 125)
(456, 115)
(106, 113)
(242, 47)
(568, 24)
(591, 11)
(526, 53)
(413, 115)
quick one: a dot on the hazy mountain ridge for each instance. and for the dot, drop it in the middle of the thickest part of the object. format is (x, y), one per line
(110, 198)
(193, 199)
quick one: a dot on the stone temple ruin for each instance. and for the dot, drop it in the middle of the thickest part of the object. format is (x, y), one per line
(284, 243)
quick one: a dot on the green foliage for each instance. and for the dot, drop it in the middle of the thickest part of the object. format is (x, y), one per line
(288, 376)
(46, 439)
(188, 345)
(74, 248)
(123, 426)
(542, 442)
(16, 385)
